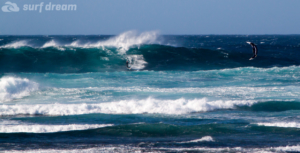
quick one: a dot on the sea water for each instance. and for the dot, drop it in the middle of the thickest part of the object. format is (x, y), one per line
(183, 93)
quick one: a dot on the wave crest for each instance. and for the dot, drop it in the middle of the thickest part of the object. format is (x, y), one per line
(124, 41)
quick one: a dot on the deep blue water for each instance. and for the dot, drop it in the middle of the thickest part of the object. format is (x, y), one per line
(182, 93)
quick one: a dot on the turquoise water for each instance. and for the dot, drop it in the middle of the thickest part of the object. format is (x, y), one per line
(183, 93)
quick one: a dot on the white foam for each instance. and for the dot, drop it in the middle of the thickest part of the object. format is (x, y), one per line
(206, 138)
(17, 127)
(103, 149)
(16, 44)
(287, 148)
(137, 62)
(13, 88)
(281, 124)
(244, 92)
(150, 105)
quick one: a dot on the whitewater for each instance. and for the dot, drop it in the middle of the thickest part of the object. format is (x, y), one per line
(182, 94)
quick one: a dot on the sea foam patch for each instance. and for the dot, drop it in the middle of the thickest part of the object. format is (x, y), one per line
(149, 105)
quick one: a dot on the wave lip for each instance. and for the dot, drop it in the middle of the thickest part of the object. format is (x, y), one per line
(14, 88)
(150, 105)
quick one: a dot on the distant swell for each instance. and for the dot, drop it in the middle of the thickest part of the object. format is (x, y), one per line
(20, 127)
(203, 139)
(153, 57)
(273, 106)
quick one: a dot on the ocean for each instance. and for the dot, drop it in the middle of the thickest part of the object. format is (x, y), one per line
(183, 93)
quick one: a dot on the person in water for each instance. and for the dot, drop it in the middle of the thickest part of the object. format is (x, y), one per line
(254, 50)
(127, 64)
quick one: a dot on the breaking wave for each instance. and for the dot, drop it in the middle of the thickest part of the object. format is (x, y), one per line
(109, 53)
(122, 42)
(150, 105)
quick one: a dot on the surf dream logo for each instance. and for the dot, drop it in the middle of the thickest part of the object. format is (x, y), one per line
(49, 7)
(10, 7)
